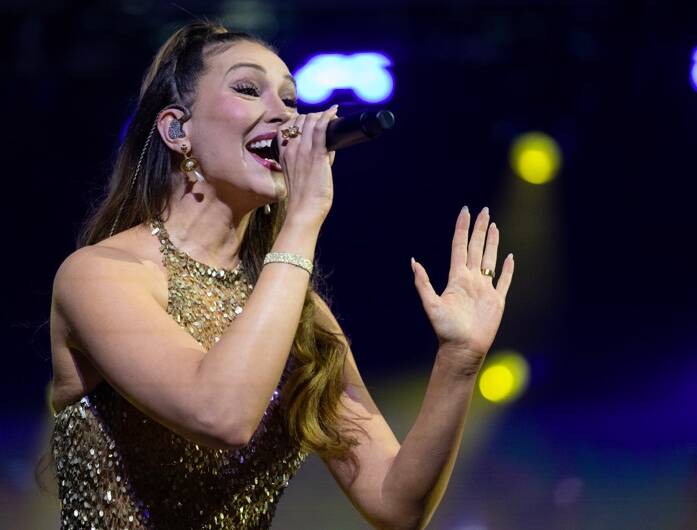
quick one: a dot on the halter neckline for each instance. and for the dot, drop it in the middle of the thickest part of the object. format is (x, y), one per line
(161, 232)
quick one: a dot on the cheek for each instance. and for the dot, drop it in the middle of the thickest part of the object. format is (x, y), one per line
(234, 108)
(231, 122)
(225, 132)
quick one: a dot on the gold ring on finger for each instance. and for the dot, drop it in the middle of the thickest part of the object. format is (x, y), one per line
(291, 132)
(488, 272)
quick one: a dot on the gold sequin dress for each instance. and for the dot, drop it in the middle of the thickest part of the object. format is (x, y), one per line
(119, 469)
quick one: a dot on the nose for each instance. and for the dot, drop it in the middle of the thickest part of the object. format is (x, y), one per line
(279, 111)
(281, 117)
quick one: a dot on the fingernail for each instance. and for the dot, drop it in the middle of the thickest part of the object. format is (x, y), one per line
(465, 209)
(485, 209)
(335, 106)
(412, 263)
(493, 225)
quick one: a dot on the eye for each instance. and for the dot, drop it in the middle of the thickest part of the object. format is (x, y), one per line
(247, 88)
(251, 90)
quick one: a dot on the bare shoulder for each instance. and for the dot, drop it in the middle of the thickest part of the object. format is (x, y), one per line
(127, 256)
(92, 262)
(96, 260)
(112, 262)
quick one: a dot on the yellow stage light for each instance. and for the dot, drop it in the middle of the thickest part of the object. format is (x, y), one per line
(496, 383)
(535, 157)
(505, 377)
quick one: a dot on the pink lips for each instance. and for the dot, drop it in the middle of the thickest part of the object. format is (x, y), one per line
(265, 136)
(269, 164)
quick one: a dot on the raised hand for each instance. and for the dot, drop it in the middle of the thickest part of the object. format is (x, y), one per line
(466, 316)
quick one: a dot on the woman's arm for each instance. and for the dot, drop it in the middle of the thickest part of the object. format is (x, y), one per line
(400, 487)
(419, 475)
(403, 492)
(241, 370)
(215, 398)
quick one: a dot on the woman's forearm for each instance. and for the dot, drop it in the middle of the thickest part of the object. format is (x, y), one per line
(419, 475)
(240, 372)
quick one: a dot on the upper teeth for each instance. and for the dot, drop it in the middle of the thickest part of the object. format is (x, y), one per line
(261, 143)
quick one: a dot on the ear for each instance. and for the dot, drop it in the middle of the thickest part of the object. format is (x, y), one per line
(165, 119)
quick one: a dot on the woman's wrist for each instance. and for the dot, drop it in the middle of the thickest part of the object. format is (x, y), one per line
(298, 236)
(306, 216)
(291, 258)
(462, 363)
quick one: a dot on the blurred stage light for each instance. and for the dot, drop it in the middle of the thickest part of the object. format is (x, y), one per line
(568, 490)
(125, 126)
(505, 377)
(496, 383)
(535, 157)
(693, 71)
(364, 73)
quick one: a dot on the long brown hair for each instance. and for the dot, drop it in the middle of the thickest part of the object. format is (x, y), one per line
(311, 395)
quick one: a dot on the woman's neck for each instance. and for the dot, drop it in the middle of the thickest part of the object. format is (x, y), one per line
(206, 228)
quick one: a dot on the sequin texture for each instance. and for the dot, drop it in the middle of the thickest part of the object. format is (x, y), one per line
(117, 468)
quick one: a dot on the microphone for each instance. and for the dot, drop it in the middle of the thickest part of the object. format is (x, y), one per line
(350, 130)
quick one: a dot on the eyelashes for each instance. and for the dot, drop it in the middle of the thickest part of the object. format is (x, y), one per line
(251, 90)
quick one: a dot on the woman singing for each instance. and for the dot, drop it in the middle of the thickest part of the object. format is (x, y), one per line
(195, 365)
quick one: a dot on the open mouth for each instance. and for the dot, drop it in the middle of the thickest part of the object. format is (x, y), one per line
(261, 150)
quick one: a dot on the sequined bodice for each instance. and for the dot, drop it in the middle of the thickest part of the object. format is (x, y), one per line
(117, 468)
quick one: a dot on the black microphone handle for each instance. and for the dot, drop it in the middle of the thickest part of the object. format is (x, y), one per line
(351, 130)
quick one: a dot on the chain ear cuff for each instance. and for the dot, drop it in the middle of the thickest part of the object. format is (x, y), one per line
(189, 163)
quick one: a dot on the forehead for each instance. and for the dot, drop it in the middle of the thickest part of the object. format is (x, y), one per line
(248, 52)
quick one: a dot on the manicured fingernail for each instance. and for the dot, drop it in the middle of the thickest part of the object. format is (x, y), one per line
(493, 225)
(465, 209)
(335, 106)
(485, 209)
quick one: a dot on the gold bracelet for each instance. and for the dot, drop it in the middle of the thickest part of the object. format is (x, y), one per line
(287, 257)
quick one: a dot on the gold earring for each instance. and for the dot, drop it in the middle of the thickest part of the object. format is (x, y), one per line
(190, 163)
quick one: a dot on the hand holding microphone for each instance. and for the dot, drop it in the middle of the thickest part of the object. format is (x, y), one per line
(353, 129)
(303, 148)
(299, 146)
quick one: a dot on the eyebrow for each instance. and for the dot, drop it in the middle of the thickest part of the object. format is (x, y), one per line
(260, 68)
